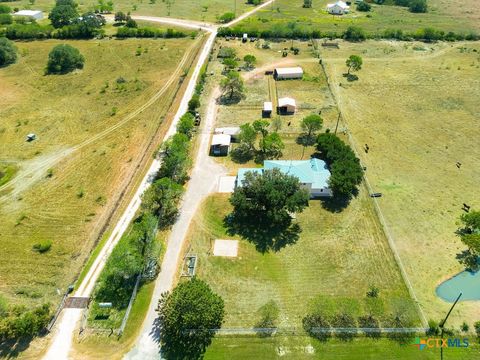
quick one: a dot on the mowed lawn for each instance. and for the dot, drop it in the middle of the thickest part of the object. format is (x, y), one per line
(68, 181)
(337, 258)
(299, 347)
(461, 16)
(416, 106)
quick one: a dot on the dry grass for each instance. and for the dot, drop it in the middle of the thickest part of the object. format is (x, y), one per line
(71, 203)
(418, 112)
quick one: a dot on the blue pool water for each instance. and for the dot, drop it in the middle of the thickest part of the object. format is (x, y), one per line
(466, 282)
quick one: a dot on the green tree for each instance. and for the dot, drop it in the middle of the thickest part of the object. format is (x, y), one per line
(262, 205)
(161, 199)
(248, 136)
(8, 52)
(354, 63)
(120, 17)
(364, 6)
(194, 103)
(418, 6)
(269, 313)
(250, 61)
(188, 315)
(354, 33)
(232, 85)
(469, 234)
(271, 147)
(311, 124)
(4, 9)
(176, 160)
(226, 18)
(62, 15)
(186, 124)
(230, 63)
(307, 4)
(63, 59)
(254, 2)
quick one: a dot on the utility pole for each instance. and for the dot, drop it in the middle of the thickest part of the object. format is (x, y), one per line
(442, 324)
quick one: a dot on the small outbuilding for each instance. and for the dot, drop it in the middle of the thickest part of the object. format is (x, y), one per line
(221, 144)
(35, 14)
(245, 38)
(233, 131)
(288, 73)
(286, 105)
(267, 109)
(338, 8)
(31, 137)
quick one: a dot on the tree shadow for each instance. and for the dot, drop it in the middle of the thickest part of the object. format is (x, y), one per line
(265, 234)
(469, 260)
(186, 347)
(11, 349)
(227, 100)
(350, 77)
(338, 203)
(306, 140)
(241, 154)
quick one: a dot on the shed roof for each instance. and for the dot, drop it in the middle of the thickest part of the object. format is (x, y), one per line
(267, 106)
(340, 4)
(28, 12)
(286, 101)
(289, 70)
(221, 139)
(229, 130)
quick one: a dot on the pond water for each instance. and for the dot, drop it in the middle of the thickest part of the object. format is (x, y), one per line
(466, 282)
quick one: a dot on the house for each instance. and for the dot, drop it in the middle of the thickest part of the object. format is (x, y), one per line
(313, 174)
(339, 8)
(288, 73)
(233, 131)
(221, 144)
(35, 14)
(267, 109)
(286, 105)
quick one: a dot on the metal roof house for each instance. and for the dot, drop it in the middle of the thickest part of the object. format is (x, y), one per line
(313, 174)
(288, 73)
(286, 105)
(221, 144)
(36, 14)
(267, 109)
(339, 8)
(233, 131)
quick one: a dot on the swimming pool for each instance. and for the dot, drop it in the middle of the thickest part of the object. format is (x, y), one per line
(466, 282)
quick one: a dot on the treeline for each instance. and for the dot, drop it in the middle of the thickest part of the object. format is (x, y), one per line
(20, 322)
(148, 32)
(138, 251)
(352, 33)
(345, 170)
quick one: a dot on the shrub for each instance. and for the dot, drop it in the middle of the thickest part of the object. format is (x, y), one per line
(18, 322)
(227, 17)
(186, 125)
(254, 2)
(63, 59)
(354, 33)
(476, 326)
(5, 19)
(364, 6)
(194, 103)
(4, 9)
(8, 52)
(28, 31)
(418, 6)
(317, 326)
(42, 247)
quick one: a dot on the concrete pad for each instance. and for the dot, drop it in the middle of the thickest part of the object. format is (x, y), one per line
(227, 248)
(226, 184)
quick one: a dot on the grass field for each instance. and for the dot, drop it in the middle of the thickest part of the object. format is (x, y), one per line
(298, 347)
(338, 256)
(92, 137)
(457, 16)
(201, 10)
(416, 106)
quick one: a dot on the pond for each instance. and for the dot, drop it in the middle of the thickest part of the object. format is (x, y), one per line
(466, 282)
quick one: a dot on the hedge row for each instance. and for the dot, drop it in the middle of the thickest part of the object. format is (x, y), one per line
(352, 33)
(148, 32)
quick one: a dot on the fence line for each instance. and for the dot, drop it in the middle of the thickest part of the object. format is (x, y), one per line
(58, 311)
(129, 308)
(318, 330)
(379, 212)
